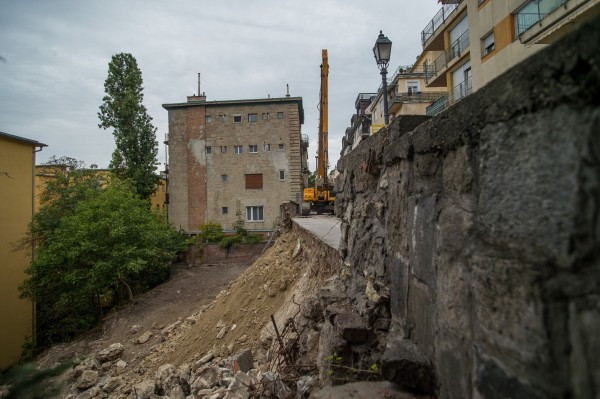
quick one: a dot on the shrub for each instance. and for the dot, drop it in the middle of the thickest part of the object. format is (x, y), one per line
(211, 232)
(229, 242)
(252, 238)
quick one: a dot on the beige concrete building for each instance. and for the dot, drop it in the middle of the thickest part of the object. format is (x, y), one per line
(225, 157)
(470, 42)
(17, 160)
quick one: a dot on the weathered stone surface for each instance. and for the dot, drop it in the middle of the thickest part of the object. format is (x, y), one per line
(240, 384)
(242, 361)
(363, 390)
(167, 379)
(483, 223)
(352, 326)
(110, 353)
(111, 384)
(87, 379)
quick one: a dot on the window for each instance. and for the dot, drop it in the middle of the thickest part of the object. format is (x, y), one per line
(266, 115)
(223, 149)
(252, 117)
(237, 118)
(254, 214)
(224, 178)
(254, 181)
(237, 149)
(281, 174)
(252, 149)
(280, 115)
(281, 147)
(267, 147)
(223, 117)
(487, 44)
(208, 149)
(224, 210)
(412, 86)
(208, 118)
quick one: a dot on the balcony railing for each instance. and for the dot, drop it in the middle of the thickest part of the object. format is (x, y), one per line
(454, 51)
(535, 11)
(418, 97)
(304, 139)
(460, 91)
(437, 21)
(363, 96)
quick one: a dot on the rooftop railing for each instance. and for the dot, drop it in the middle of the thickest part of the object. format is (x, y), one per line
(437, 21)
(454, 51)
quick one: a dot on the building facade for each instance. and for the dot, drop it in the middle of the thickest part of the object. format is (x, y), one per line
(17, 160)
(470, 42)
(234, 159)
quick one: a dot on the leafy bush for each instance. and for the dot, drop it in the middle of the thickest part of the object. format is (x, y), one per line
(229, 242)
(211, 232)
(97, 241)
(252, 238)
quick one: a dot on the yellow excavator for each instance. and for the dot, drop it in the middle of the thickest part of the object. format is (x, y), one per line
(321, 198)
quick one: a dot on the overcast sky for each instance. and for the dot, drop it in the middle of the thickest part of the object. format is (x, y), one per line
(54, 59)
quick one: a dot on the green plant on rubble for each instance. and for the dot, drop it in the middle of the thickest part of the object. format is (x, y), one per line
(341, 373)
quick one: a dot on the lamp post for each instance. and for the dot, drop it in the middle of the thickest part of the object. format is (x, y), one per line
(382, 50)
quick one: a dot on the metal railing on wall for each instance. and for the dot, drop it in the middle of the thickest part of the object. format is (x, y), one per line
(459, 92)
(542, 8)
(458, 47)
(437, 21)
(411, 97)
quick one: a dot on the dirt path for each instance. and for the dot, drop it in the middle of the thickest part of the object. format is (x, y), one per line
(185, 292)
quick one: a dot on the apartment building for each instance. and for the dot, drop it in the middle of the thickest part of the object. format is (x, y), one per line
(17, 160)
(235, 157)
(470, 42)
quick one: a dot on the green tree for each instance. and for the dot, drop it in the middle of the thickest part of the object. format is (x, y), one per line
(135, 137)
(105, 241)
(312, 177)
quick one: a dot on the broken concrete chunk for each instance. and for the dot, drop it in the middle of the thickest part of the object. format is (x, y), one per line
(222, 333)
(87, 379)
(239, 385)
(144, 390)
(354, 329)
(142, 339)
(404, 364)
(135, 329)
(242, 361)
(110, 353)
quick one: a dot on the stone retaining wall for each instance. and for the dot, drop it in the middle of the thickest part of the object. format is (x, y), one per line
(480, 231)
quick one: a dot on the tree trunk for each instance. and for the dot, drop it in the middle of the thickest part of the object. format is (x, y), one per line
(129, 292)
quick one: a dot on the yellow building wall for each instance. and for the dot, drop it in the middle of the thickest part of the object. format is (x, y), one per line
(159, 198)
(16, 197)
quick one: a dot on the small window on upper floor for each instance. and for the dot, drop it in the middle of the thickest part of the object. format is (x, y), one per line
(281, 174)
(237, 149)
(487, 44)
(208, 149)
(224, 178)
(281, 147)
(223, 117)
(224, 210)
(223, 149)
(252, 117)
(237, 118)
(266, 115)
(280, 115)
(208, 118)
(267, 147)
(252, 149)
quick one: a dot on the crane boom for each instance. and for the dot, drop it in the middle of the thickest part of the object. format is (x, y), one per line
(321, 197)
(323, 122)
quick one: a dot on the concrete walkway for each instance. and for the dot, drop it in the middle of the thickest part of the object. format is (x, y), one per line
(326, 228)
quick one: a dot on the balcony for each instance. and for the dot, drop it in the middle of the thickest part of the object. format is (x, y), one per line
(459, 92)
(304, 140)
(446, 12)
(455, 51)
(396, 102)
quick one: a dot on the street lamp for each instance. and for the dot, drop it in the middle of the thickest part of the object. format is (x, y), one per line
(382, 50)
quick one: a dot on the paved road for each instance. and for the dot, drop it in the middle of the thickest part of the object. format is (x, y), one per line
(327, 228)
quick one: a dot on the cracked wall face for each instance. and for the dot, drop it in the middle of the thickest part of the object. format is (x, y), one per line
(481, 228)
